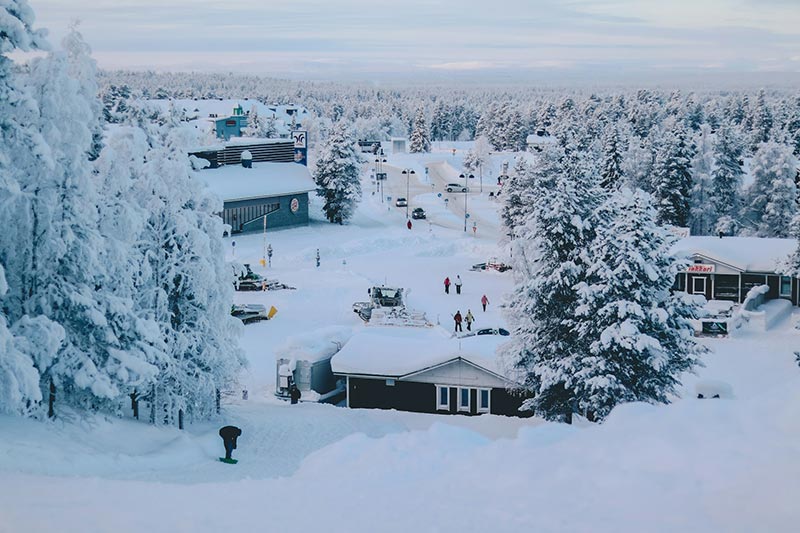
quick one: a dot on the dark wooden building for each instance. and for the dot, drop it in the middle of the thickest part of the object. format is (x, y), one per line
(424, 371)
(727, 268)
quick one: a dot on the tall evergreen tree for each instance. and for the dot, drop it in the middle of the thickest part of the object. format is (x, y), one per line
(726, 181)
(548, 264)
(672, 179)
(420, 140)
(640, 338)
(611, 165)
(703, 215)
(761, 120)
(337, 175)
(772, 196)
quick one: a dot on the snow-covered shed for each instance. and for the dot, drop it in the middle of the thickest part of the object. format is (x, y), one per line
(727, 268)
(538, 141)
(261, 150)
(426, 371)
(277, 191)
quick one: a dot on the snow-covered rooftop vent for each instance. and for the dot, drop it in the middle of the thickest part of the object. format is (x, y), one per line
(247, 159)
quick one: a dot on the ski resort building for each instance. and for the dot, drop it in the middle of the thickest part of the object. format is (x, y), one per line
(275, 191)
(424, 370)
(727, 268)
(261, 151)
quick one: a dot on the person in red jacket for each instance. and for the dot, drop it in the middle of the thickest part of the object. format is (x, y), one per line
(484, 302)
(408, 224)
(458, 320)
(447, 285)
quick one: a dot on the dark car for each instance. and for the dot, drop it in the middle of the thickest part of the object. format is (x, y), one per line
(493, 331)
(418, 213)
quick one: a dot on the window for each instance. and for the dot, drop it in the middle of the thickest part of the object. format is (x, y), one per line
(463, 399)
(786, 286)
(390, 383)
(484, 400)
(442, 398)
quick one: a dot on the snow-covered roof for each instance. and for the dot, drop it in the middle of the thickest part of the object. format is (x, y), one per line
(747, 254)
(397, 352)
(234, 182)
(540, 139)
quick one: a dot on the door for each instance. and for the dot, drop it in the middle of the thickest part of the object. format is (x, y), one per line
(699, 285)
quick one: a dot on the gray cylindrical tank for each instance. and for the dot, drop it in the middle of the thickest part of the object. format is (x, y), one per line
(302, 375)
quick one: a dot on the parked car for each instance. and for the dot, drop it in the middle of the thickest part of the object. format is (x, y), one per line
(418, 213)
(493, 331)
(401, 202)
(455, 187)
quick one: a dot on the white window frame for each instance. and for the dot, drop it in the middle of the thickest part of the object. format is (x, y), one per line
(780, 287)
(439, 405)
(694, 284)
(467, 408)
(488, 408)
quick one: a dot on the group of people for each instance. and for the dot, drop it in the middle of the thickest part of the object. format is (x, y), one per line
(469, 319)
(447, 284)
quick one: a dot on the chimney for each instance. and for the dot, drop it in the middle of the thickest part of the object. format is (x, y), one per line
(247, 159)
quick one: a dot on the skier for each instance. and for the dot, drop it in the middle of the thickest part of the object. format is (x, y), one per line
(458, 284)
(484, 302)
(408, 224)
(229, 435)
(294, 392)
(317, 257)
(447, 285)
(457, 318)
(469, 320)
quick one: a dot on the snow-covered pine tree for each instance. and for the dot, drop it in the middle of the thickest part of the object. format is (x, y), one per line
(255, 124)
(519, 190)
(772, 197)
(637, 165)
(611, 165)
(58, 249)
(420, 140)
(548, 263)
(761, 120)
(184, 283)
(726, 181)
(703, 216)
(337, 175)
(672, 178)
(639, 335)
(25, 347)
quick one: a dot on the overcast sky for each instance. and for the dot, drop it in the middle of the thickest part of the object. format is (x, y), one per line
(418, 38)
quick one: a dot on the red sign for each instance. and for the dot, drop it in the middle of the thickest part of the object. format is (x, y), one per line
(701, 269)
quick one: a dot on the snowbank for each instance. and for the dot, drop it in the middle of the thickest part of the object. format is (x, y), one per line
(315, 345)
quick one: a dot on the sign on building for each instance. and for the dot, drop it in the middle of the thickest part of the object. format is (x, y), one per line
(300, 139)
(699, 268)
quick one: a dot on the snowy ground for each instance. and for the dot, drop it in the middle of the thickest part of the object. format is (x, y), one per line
(696, 465)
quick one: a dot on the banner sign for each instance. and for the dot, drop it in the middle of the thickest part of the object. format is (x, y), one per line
(701, 269)
(300, 139)
(715, 328)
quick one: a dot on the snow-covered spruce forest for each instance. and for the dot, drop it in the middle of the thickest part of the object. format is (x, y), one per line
(114, 284)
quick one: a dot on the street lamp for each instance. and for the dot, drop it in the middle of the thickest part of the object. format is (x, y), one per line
(466, 193)
(407, 172)
(380, 175)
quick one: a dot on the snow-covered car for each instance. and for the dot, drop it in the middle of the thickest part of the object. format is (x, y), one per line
(491, 264)
(493, 331)
(455, 187)
(418, 213)
(401, 202)
(248, 313)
